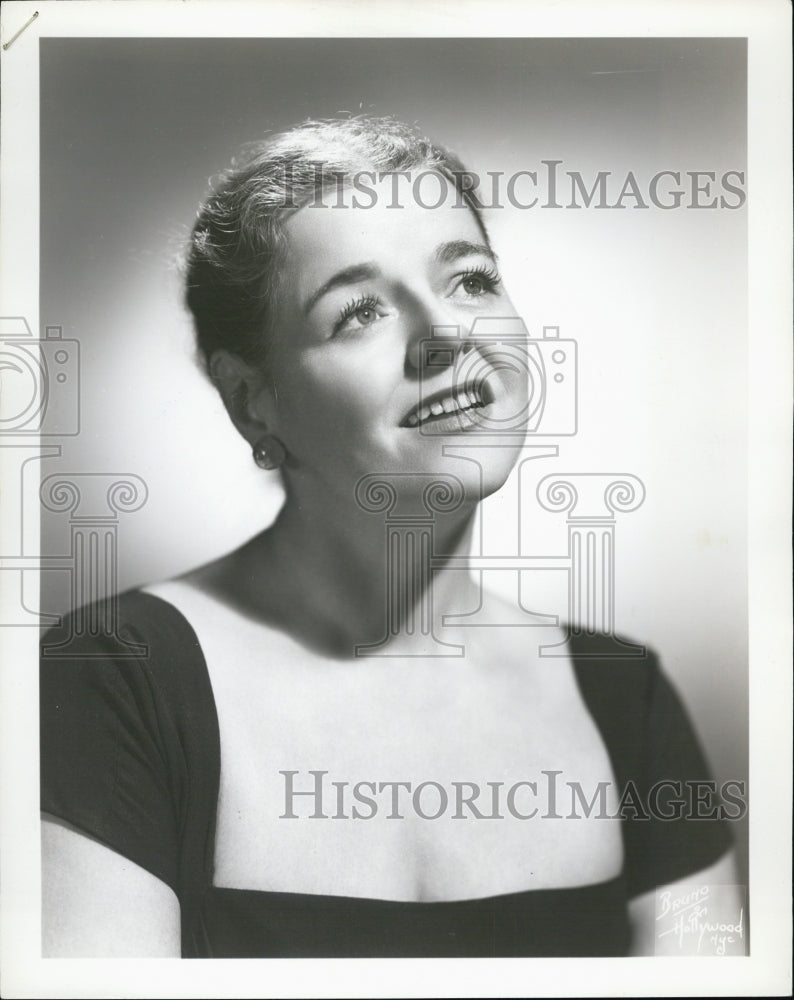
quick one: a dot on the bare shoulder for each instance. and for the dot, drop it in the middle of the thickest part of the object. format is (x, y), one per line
(509, 613)
(217, 584)
(513, 628)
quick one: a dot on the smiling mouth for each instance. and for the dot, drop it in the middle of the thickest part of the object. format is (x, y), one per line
(444, 404)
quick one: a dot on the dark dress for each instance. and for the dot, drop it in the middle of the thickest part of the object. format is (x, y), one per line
(130, 754)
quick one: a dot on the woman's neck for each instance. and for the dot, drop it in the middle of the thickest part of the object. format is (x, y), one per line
(338, 576)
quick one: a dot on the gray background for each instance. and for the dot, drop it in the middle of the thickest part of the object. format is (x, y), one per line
(132, 129)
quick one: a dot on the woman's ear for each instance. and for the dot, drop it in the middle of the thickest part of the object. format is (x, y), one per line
(245, 392)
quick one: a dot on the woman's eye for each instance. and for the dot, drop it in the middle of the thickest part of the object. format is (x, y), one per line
(365, 315)
(479, 282)
(359, 313)
(473, 285)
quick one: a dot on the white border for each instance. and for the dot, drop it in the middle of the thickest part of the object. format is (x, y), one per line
(766, 24)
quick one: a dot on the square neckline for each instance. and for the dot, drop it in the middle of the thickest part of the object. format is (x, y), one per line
(348, 899)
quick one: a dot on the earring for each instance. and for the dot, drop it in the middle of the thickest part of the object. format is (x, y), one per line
(269, 453)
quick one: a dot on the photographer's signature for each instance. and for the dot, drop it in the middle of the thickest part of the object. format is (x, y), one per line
(698, 923)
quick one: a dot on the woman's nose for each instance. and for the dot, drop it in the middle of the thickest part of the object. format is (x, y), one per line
(437, 342)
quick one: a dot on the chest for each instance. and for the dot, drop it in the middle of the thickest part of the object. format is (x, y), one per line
(411, 779)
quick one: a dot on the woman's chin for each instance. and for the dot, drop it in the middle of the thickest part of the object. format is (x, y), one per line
(481, 471)
(494, 479)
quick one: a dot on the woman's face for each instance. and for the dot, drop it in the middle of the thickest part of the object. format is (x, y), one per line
(354, 388)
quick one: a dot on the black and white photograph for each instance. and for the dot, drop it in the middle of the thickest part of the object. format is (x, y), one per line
(396, 466)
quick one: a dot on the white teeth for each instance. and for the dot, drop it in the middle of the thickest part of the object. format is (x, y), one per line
(463, 400)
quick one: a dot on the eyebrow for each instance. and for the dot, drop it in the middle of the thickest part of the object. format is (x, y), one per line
(347, 276)
(446, 253)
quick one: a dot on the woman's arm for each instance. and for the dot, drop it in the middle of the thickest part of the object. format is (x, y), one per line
(643, 909)
(97, 904)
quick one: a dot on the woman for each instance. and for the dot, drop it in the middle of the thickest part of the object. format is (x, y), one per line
(194, 797)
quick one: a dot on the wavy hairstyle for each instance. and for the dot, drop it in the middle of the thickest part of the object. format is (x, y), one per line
(235, 251)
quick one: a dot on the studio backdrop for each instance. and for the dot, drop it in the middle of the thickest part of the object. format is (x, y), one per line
(613, 177)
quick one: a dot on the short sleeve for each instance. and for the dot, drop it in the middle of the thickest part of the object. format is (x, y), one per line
(685, 831)
(672, 817)
(117, 732)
